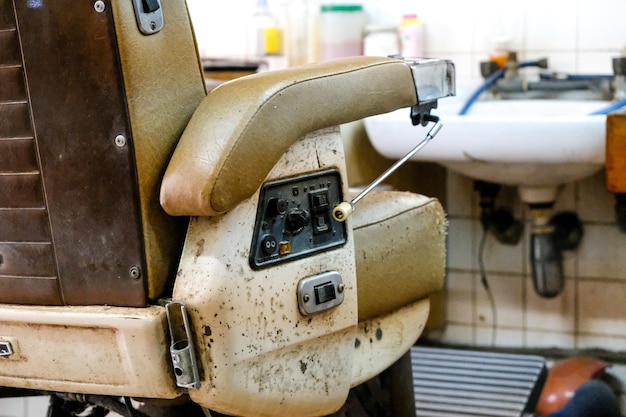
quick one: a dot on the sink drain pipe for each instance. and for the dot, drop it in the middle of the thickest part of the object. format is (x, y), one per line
(549, 236)
(546, 260)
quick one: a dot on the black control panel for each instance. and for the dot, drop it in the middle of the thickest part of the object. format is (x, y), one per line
(294, 219)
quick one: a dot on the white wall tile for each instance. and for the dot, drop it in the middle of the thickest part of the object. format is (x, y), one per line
(507, 292)
(495, 22)
(458, 334)
(601, 24)
(590, 341)
(602, 310)
(460, 244)
(596, 62)
(593, 190)
(460, 288)
(460, 196)
(502, 258)
(503, 337)
(446, 31)
(601, 252)
(551, 25)
(549, 339)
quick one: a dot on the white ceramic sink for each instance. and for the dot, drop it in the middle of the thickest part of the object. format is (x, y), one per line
(528, 143)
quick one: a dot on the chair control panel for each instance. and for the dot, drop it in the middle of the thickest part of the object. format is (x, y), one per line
(294, 219)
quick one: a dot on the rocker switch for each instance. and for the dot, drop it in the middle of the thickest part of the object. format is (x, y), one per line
(324, 292)
(320, 292)
(150, 6)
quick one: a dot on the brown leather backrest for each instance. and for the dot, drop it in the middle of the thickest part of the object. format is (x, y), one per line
(90, 112)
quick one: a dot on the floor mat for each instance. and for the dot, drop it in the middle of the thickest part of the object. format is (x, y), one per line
(460, 383)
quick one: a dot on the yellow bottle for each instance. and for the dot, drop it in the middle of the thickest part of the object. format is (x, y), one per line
(265, 37)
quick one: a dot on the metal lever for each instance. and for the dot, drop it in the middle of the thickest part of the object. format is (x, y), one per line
(343, 210)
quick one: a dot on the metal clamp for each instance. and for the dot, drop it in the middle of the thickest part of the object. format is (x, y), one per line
(182, 348)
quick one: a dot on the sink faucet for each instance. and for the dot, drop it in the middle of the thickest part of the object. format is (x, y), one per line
(510, 82)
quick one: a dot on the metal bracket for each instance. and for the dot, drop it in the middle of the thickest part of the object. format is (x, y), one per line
(149, 16)
(182, 348)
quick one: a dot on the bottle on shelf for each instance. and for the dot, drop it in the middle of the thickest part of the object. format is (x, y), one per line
(411, 36)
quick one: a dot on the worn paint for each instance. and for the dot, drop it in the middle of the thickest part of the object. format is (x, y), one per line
(257, 351)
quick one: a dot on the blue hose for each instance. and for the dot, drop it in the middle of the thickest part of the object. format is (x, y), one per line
(581, 77)
(491, 80)
(611, 107)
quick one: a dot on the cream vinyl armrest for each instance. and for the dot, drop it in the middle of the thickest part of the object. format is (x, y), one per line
(242, 128)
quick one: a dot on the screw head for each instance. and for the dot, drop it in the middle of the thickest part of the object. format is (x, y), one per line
(306, 298)
(120, 141)
(99, 6)
(135, 272)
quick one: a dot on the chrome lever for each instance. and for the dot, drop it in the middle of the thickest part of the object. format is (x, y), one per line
(344, 209)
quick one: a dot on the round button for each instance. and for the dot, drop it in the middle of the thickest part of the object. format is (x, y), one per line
(269, 245)
(277, 206)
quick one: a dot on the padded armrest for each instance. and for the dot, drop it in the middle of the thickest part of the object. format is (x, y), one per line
(400, 249)
(243, 127)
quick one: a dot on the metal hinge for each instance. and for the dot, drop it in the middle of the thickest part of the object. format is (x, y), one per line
(182, 349)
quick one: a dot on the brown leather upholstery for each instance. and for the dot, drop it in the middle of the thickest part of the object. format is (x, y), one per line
(90, 112)
(399, 240)
(243, 127)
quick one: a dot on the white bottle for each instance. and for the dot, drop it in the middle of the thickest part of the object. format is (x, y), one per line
(381, 40)
(411, 37)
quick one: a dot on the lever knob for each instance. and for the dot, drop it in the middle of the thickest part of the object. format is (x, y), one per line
(342, 211)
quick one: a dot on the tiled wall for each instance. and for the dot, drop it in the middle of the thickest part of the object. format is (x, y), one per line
(590, 313)
(576, 36)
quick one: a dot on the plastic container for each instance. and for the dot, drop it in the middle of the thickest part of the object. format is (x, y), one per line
(341, 30)
(500, 50)
(411, 37)
(381, 40)
(296, 33)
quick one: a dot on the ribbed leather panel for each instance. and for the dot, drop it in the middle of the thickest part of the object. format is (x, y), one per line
(27, 268)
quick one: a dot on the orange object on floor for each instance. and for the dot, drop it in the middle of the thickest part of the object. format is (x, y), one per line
(564, 378)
